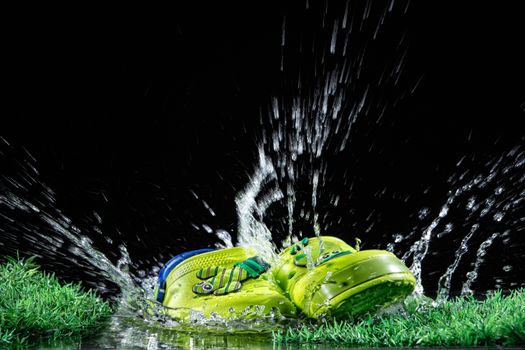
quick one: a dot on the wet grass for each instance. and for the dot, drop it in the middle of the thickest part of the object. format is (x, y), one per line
(35, 307)
(498, 320)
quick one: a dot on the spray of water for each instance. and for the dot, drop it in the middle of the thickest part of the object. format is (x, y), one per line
(316, 116)
(480, 258)
(480, 201)
(31, 219)
(297, 135)
(252, 232)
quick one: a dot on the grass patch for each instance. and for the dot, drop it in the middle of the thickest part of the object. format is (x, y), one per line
(498, 320)
(35, 307)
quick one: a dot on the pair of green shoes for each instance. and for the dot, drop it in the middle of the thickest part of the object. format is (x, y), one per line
(321, 276)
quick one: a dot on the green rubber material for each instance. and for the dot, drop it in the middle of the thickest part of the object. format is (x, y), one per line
(338, 280)
(257, 297)
(369, 297)
(330, 286)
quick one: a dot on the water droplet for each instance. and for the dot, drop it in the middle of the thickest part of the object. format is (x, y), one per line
(423, 213)
(507, 268)
(447, 230)
(207, 228)
(498, 216)
(225, 237)
(471, 202)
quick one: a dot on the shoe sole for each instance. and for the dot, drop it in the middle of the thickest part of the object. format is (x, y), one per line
(369, 296)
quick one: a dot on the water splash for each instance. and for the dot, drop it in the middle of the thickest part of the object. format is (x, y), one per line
(318, 120)
(315, 116)
(420, 248)
(471, 276)
(445, 280)
(29, 210)
(251, 206)
(485, 201)
(302, 128)
(226, 239)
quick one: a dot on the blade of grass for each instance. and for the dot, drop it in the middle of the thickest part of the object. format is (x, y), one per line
(35, 306)
(498, 320)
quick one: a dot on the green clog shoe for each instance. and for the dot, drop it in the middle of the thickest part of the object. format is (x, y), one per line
(326, 276)
(230, 283)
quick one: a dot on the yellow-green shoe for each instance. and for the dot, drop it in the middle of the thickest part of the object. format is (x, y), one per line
(231, 283)
(326, 276)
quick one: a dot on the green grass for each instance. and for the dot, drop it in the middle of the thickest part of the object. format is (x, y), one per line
(498, 320)
(35, 307)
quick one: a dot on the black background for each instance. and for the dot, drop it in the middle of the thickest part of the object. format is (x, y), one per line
(140, 106)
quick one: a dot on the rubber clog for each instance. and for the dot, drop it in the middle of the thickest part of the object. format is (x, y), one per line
(185, 295)
(324, 276)
(321, 276)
